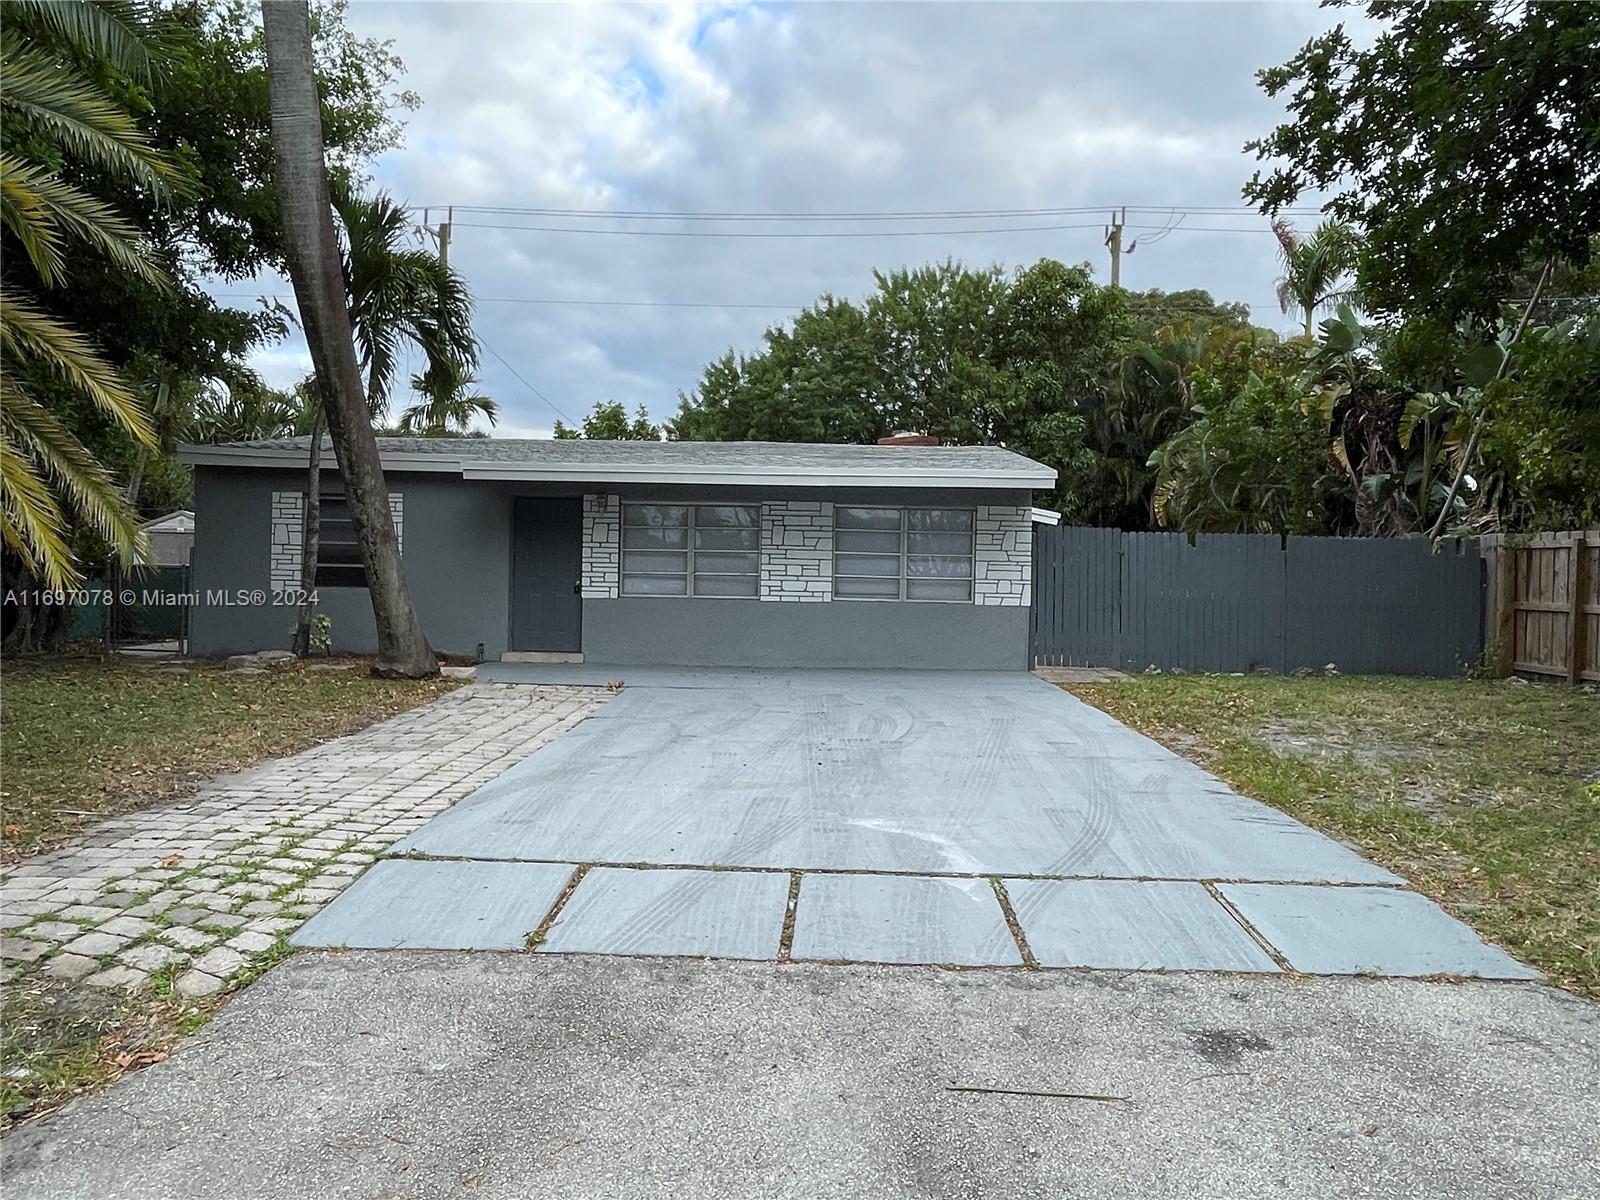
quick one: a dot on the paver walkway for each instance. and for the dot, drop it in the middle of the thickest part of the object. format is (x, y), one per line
(196, 888)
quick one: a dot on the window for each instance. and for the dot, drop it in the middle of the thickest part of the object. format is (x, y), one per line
(902, 553)
(338, 555)
(691, 549)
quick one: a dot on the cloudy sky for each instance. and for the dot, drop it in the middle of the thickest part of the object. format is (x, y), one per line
(807, 109)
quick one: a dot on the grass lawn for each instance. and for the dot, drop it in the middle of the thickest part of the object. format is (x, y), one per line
(58, 1042)
(1485, 795)
(81, 739)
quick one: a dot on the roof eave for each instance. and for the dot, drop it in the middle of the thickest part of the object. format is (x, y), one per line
(1025, 475)
(1020, 478)
(264, 456)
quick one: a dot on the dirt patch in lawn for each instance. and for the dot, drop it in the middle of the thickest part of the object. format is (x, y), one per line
(1405, 766)
(82, 739)
(1312, 739)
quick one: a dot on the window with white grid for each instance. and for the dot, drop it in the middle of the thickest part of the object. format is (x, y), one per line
(691, 550)
(902, 553)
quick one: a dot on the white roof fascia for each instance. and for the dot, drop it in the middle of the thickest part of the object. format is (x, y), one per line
(1021, 477)
(239, 456)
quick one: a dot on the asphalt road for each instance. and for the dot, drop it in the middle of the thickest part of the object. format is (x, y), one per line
(393, 1074)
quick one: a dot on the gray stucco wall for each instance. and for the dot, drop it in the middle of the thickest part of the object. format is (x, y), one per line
(457, 555)
(679, 631)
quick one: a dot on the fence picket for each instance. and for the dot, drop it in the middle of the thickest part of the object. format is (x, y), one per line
(1240, 602)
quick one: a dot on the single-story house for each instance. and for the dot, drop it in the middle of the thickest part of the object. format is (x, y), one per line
(687, 553)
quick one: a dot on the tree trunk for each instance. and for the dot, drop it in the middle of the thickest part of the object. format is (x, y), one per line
(136, 477)
(28, 626)
(313, 260)
(1437, 531)
(311, 531)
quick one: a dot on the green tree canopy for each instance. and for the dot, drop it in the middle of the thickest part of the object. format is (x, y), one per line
(1192, 308)
(1252, 460)
(969, 356)
(608, 422)
(1461, 144)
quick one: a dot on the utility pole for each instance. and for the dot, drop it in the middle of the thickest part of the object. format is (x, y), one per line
(443, 231)
(1114, 241)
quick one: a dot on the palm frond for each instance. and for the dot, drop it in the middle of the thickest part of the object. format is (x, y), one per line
(31, 521)
(81, 116)
(1286, 296)
(24, 213)
(1315, 265)
(61, 459)
(399, 293)
(28, 332)
(38, 204)
(448, 403)
(114, 30)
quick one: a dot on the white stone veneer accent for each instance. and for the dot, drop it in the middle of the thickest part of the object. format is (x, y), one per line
(1002, 571)
(797, 550)
(288, 526)
(602, 542)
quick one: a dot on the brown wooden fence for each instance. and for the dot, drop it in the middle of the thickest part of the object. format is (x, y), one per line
(1543, 604)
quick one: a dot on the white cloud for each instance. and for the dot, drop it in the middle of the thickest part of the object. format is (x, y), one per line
(811, 108)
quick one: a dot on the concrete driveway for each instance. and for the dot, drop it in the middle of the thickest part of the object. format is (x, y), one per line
(907, 817)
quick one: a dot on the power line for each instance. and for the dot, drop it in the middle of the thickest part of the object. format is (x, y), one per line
(855, 215)
(704, 304)
(821, 233)
(522, 378)
(843, 233)
(634, 303)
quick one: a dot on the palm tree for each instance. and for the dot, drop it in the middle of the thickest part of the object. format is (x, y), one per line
(313, 260)
(1316, 268)
(243, 409)
(448, 403)
(397, 293)
(48, 83)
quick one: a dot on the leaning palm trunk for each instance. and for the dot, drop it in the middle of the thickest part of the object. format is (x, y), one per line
(1471, 450)
(314, 268)
(310, 535)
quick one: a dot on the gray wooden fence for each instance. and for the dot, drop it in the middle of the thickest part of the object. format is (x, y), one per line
(1242, 602)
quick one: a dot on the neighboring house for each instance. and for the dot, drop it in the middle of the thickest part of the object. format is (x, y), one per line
(691, 553)
(171, 538)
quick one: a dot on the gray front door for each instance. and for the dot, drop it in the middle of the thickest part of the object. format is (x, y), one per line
(546, 568)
